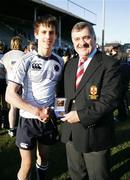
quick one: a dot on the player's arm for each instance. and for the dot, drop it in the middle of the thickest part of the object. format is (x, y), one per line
(12, 96)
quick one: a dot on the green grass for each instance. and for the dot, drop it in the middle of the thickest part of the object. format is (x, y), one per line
(120, 157)
(120, 154)
(10, 159)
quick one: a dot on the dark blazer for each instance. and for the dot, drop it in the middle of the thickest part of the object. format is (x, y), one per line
(95, 108)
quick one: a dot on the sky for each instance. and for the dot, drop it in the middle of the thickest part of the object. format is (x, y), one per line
(116, 23)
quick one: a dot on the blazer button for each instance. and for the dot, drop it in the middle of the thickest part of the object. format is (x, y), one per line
(73, 101)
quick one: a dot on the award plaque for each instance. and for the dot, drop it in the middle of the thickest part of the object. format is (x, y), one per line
(60, 107)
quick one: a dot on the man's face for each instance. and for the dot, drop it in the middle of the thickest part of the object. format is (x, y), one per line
(46, 36)
(83, 42)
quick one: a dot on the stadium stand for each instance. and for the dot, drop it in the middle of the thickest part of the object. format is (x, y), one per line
(16, 18)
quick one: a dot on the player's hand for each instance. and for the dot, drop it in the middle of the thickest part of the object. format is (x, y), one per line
(43, 114)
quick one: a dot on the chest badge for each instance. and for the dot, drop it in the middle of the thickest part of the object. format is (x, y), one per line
(56, 68)
(93, 92)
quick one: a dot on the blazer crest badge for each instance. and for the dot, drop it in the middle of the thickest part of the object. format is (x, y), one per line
(93, 92)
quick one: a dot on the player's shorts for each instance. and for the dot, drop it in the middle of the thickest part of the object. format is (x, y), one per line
(29, 132)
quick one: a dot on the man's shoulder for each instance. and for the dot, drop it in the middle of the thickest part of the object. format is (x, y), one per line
(105, 58)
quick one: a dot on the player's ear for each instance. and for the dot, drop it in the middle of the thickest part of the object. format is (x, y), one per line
(36, 35)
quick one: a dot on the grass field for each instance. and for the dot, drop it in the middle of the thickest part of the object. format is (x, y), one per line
(120, 157)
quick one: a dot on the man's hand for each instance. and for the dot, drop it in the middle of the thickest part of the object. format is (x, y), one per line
(71, 117)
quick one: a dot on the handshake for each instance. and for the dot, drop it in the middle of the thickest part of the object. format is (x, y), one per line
(43, 114)
(46, 113)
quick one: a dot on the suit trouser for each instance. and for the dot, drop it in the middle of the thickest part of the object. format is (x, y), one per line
(87, 166)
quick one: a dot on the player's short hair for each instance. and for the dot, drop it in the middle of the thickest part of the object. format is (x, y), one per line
(47, 20)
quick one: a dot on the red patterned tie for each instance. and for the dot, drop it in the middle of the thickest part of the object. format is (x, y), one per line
(80, 71)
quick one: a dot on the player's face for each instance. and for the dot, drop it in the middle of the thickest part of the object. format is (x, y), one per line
(46, 36)
(83, 42)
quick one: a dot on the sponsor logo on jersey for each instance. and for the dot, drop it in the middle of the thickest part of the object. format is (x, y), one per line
(36, 66)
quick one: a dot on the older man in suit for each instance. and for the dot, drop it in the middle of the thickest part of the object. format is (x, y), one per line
(91, 83)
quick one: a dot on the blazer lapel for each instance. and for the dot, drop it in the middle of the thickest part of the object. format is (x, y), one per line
(72, 75)
(92, 67)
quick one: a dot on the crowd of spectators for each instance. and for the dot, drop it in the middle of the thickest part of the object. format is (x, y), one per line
(67, 53)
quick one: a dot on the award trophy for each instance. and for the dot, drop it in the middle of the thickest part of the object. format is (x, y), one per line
(60, 107)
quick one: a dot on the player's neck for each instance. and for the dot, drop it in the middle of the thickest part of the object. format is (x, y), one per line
(44, 52)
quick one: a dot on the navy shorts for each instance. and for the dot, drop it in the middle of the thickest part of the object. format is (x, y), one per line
(29, 132)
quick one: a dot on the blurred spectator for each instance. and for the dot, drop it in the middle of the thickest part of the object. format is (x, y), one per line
(114, 53)
(125, 78)
(31, 47)
(118, 54)
(123, 106)
(128, 58)
(11, 58)
(60, 52)
(108, 53)
(25, 49)
(2, 77)
(66, 55)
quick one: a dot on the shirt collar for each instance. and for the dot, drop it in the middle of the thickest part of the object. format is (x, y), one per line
(91, 54)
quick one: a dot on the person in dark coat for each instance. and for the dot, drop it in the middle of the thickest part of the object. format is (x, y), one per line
(87, 128)
(123, 106)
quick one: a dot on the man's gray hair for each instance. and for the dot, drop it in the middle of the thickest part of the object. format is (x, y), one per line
(81, 25)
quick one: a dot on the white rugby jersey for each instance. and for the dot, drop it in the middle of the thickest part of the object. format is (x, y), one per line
(10, 59)
(38, 77)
